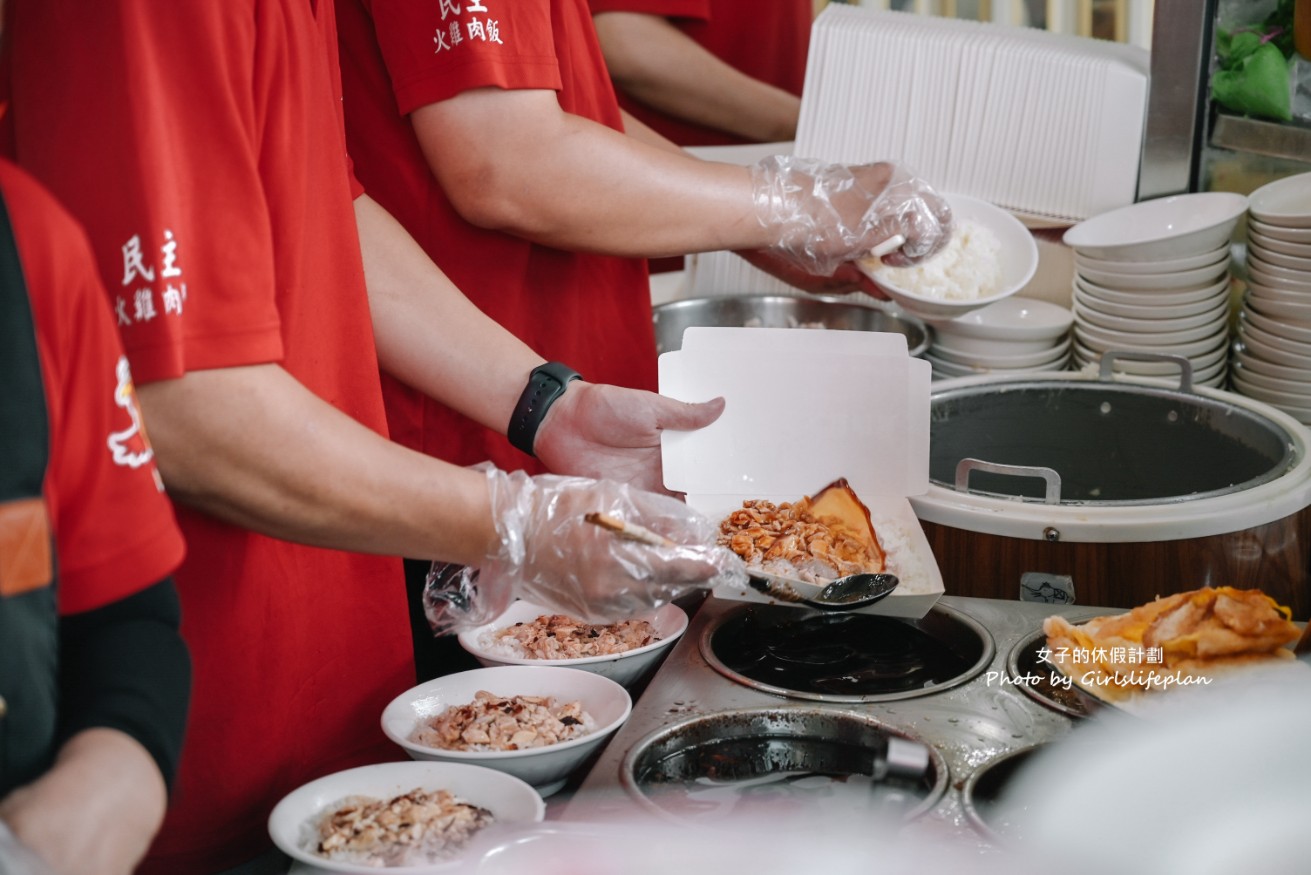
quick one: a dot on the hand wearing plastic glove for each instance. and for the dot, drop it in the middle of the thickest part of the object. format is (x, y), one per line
(824, 215)
(550, 555)
(602, 431)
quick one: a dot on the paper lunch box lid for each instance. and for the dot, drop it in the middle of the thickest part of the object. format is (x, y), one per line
(804, 408)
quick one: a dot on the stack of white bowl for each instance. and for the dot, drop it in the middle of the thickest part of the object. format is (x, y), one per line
(1154, 277)
(1012, 336)
(1272, 355)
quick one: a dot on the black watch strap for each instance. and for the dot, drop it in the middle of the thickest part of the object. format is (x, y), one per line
(545, 384)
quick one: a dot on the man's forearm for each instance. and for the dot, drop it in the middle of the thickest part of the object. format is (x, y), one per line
(253, 447)
(429, 335)
(657, 64)
(514, 162)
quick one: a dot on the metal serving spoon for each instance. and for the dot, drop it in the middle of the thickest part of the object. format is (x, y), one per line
(843, 594)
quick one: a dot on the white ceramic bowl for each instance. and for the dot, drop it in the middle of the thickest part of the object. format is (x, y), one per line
(1296, 376)
(1101, 291)
(1275, 293)
(1290, 314)
(1011, 326)
(1181, 279)
(1260, 277)
(1296, 333)
(1269, 375)
(1279, 232)
(1274, 355)
(988, 360)
(624, 668)
(1282, 400)
(1161, 265)
(1176, 342)
(1147, 307)
(1205, 320)
(1017, 253)
(545, 768)
(1203, 373)
(1285, 202)
(1165, 228)
(1296, 274)
(1260, 339)
(1294, 391)
(1260, 243)
(294, 819)
(1204, 362)
(1266, 259)
(1143, 298)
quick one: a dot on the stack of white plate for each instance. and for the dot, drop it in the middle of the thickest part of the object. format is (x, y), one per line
(1154, 277)
(1272, 355)
(1013, 336)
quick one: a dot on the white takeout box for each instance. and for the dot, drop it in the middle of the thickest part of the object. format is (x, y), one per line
(806, 408)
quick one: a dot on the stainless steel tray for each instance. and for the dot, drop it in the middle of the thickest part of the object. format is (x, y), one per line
(969, 725)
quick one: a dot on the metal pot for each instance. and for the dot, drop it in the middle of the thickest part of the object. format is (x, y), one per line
(1112, 492)
(779, 311)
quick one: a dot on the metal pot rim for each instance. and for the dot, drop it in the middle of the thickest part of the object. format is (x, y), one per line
(1283, 496)
(627, 769)
(1165, 393)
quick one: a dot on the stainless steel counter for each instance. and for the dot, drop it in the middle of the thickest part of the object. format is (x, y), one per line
(969, 725)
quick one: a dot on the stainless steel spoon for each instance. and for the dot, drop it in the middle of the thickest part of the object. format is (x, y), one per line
(854, 591)
(843, 594)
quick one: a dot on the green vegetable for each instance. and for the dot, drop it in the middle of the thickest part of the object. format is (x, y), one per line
(1253, 75)
(1255, 80)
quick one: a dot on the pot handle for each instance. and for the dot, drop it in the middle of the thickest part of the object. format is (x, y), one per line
(1185, 366)
(1049, 476)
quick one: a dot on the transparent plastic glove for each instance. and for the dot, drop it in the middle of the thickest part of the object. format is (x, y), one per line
(16, 858)
(826, 214)
(550, 555)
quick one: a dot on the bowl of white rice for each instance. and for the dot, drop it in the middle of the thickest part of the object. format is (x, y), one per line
(530, 634)
(990, 256)
(538, 723)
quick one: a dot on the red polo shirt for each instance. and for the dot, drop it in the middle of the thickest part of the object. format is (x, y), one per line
(114, 529)
(592, 312)
(201, 146)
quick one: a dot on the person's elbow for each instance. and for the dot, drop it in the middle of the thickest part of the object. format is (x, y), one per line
(489, 195)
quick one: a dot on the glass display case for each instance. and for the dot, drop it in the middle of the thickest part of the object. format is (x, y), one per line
(1191, 143)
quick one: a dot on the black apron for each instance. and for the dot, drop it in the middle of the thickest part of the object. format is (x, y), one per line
(28, 616)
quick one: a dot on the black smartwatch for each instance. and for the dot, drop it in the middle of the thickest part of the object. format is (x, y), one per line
(545, 384)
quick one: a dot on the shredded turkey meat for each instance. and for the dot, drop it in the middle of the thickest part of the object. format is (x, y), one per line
(788, 539)
(414, 829)
(555, 636)
(492, 722)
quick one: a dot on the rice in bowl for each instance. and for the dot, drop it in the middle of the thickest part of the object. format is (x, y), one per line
(966, 269)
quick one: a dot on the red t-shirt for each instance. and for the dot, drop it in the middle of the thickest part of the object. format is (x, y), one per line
(114, 529)
(592, 312)
(766, 39)
(201, 146)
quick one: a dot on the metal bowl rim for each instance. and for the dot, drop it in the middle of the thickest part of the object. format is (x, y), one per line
(1287, 462)
(968, 807)
(628, 778)
(989, 651)
(886, 307)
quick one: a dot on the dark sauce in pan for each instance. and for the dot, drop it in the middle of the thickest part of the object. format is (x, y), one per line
(764, 775)
(836, 654)
(1048, 688)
